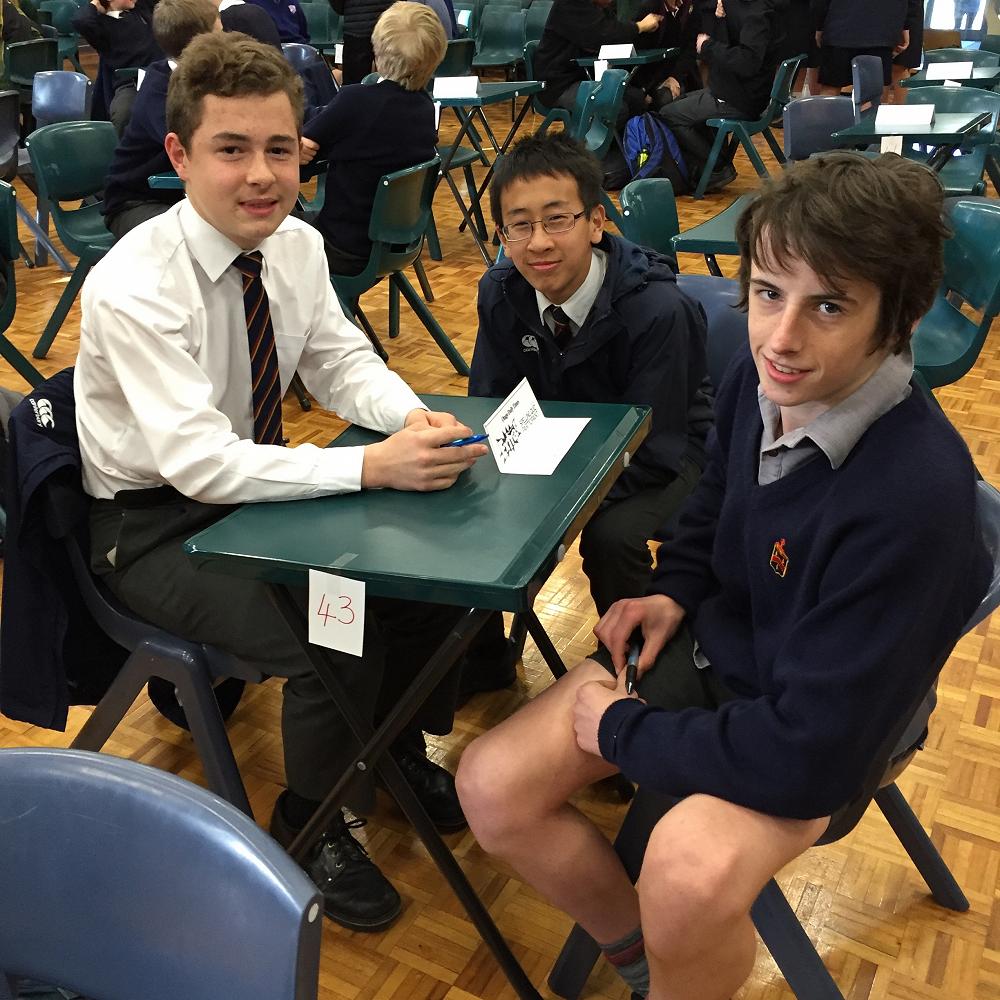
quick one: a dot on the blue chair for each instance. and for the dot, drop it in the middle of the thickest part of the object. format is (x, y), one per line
(71, 161)
(733, 132)
(810, 121)
(867, 84)
(61, 96)
(320, 86)
(947, 342)
(772, 915)
(121, 881)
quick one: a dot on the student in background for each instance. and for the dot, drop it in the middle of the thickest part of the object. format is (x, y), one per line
(678, 75)
(238, 15)
(369, 130)
(797, 615)
(288, 17)
(128, 198)
(192, 327)
(587, 316)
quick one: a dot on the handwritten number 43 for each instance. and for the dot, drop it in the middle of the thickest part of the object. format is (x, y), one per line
(344, 614)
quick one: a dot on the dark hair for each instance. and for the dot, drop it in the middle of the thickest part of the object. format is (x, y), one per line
(177, 22)
(227, 64)
(549, 155)
(851, 217)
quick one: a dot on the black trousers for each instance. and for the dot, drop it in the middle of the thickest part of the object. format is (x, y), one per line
(687, 116)
(359, 57)
(139, 554)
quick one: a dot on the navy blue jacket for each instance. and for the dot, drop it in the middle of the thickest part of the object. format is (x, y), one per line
(861, 24)
(831, 652)
(123, 41)
(288, 17)
(251, 20)
(51, 650)
(366, 131)
(140, 151)
(643, 342)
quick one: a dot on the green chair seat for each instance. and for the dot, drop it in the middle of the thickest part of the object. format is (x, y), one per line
(549, 115)
(71, 161)
(717, 235)
(501, 37)
(733, 132)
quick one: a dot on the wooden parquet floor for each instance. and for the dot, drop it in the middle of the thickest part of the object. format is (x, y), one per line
(861, 901)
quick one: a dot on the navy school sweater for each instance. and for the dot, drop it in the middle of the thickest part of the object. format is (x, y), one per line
(884, 567)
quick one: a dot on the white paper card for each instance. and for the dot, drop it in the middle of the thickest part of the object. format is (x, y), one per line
(455, 86)
(951, 83)
(892, 144)
(904, 116)
(949, 71)
(463, 17)
(523, 440)
(338, 53)
(336, 612)
(600, 66)
(139, 78)
(625, 51)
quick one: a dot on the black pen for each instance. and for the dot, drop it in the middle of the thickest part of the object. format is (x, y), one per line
(631, 668)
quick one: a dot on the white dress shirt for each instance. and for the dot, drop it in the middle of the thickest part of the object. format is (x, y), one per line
(162, 379)
(577, 307)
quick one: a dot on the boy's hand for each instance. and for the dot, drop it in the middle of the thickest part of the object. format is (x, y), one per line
(673, 86)
(904, 42)
(435, 418)
(699, 42)
(720, 10)
(307, 150)
(658, 616)
(414, 459)
(592, 701)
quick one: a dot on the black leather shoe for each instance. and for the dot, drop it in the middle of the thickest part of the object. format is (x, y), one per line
(435, 787)
(720, 178)
(356, 894)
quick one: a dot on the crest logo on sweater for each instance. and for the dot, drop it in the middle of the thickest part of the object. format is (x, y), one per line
(779, 557)
(529, 343)
(43, 412)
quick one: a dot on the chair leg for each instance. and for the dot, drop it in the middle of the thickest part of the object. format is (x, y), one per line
(433, 240)
(58, 316)
(393, 311)
(111, 709)
(921, 850)
(370, 332)
(427, 318)
(775, 147)
(41, 237)
(300, 393)
(754, 156)
(425, 284)
(713, 156)
(20, 363)
(713, 265)
(790, 946)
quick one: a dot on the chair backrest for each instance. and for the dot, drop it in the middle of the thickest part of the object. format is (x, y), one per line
(71, 159)
(319, 21)
(947, 342)
(597, 125)
(727, 325)
(781, 89)
(122, 881)
(649, 214)
(501, 29)
(534, 20)
(62, 12)
(960, 100)
(978, 57)
(25, 59)
(866, 77)
(457, 59)
(312, 68)
(61, 96)
(401, 213)
(810, 121)
(10, 133)
(991, 43)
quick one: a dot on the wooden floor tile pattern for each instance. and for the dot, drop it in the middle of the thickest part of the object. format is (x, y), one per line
(861, 901)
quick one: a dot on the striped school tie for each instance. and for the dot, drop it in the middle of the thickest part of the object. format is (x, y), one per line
(561, 329)
(265, 383)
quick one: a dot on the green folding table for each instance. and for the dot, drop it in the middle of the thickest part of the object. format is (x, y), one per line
(487, 543)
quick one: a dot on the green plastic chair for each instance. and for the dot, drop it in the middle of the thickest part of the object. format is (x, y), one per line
(400, 216)
(947, 342)
(62, 12)
(731, 132)
(22, 60)
(649, 214)
(10, 250)
(71, 161)
(962, 175)
(320, 19)
(717, 235)
(534, 20)
(991, 43)
(978, 57)
(597, 125)
(549, 115)
(500, 41)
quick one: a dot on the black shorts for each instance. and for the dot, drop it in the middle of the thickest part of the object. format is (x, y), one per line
(835, 64)
(673, 681)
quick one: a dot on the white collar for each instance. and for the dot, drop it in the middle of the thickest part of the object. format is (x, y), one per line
(577, 307)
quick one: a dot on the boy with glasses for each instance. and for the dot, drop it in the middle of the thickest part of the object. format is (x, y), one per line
(588, 316)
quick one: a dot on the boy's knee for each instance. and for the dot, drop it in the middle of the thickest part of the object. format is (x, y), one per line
(489, 794)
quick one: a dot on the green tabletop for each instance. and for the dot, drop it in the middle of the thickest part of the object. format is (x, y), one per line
(982, 76)
(493, 93)
(481, 543)
(947, 129)
(641, 58)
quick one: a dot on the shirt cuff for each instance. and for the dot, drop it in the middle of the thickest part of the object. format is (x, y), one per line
(341, 469)
(617, 716)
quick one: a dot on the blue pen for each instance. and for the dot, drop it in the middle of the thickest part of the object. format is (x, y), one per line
(461, 442)
(631, 668)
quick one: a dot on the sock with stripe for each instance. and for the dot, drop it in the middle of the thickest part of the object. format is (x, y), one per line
(628, 956)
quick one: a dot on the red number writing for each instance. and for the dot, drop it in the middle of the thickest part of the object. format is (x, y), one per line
(326, 614)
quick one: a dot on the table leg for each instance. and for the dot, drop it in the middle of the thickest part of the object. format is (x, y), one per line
(549, 652)
(464, 124)
(940, 157)
(374, 743)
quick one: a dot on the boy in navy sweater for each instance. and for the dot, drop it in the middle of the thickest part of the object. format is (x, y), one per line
(128, 198)
(798, 615)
